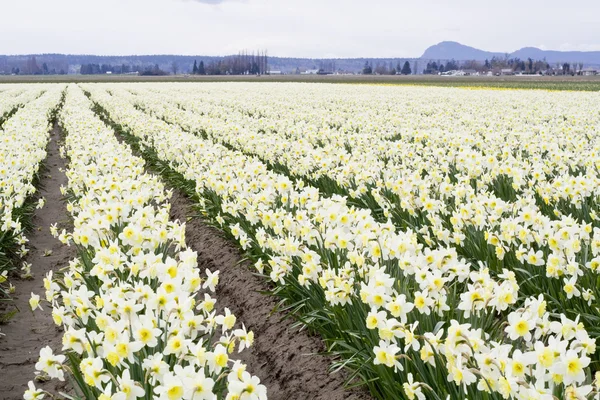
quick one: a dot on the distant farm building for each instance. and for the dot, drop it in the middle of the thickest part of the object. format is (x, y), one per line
(460, 72)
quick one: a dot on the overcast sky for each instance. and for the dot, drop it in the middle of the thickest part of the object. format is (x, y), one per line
(303, 28)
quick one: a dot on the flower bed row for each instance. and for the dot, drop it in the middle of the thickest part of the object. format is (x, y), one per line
(11, 98)
(23, 140)
(138, 314)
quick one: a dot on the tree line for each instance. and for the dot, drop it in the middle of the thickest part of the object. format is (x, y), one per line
(383, 69)
(31, 67)
(240, 64)
(96, 69)
(515, 65)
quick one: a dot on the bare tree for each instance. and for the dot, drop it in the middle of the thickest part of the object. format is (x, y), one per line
(174, 67)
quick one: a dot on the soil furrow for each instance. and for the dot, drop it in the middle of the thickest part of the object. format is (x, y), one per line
(285, 359)
(27, 332)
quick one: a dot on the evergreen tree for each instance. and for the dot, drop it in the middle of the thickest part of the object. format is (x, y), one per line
(451, 65)
(195, 69)
(367, 69)
(406, 69)
(201, 70)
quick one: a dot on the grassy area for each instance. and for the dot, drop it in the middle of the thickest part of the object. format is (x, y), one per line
(579, 83)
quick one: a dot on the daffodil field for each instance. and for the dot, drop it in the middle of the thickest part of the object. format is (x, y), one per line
(444, 243)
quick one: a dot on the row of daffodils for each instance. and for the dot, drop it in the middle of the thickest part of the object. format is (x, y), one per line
(23, 140)
(516, 190)
(11, 98)
(414, 315)
(138, 314)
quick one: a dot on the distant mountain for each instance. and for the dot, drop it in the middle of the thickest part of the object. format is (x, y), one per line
(553, 56)
(460, 52)
(457, 51)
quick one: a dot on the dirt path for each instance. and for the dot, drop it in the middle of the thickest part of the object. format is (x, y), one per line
(284, 359)
(28, 332)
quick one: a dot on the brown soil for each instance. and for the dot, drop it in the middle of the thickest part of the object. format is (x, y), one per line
(27, 332)
(284, 359)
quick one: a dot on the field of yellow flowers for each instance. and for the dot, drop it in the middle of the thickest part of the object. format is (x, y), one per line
(444, 243)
